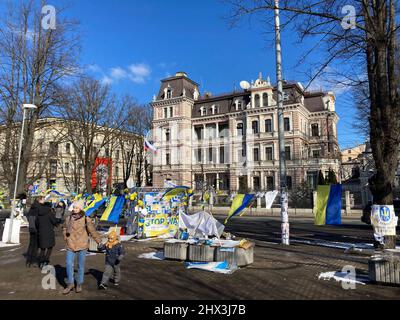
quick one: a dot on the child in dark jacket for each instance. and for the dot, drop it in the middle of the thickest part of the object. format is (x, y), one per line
(114, 254)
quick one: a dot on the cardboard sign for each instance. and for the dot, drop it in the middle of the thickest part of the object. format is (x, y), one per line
(384, 220)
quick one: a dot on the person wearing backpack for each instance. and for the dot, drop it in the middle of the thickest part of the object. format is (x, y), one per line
(76, 231)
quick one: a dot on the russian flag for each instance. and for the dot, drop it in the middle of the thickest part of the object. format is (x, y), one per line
(329, 205)
(149, 147)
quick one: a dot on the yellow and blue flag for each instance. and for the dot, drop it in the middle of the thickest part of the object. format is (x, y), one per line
(329, 205)
(95, 204)
(177, 191)
(239, 203)
(114, 209)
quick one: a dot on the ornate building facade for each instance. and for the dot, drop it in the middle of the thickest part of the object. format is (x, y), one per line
(230, 141)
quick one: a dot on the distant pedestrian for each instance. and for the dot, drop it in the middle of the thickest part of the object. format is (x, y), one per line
(60, 211)
(45, 224)
(76, 230)
(114, 254)
(31, 254)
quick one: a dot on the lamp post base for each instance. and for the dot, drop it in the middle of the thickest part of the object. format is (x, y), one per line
(11, 236)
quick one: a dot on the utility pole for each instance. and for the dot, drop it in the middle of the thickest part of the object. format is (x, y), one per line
(25, 107)
(282, 155)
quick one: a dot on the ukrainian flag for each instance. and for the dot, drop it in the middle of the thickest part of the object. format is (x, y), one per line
(177, 191)
(95, 204)
(114, 209)
(239, 203)
(329, 205)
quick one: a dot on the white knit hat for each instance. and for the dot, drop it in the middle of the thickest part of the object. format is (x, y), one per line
(80, 204)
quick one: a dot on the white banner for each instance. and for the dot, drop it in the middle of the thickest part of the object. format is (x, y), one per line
(384, 220)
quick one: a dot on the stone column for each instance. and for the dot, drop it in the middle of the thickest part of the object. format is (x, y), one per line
(348, 206)
(262, 182)
(217, 178)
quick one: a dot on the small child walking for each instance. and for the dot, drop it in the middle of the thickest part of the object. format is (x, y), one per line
(114, 254)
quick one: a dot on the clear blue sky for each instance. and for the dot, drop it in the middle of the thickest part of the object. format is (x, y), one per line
(133, 44)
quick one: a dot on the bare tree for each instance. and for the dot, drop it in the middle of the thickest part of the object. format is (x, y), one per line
(361, 47)
(34, 63)
(135, 158)
(92, 122)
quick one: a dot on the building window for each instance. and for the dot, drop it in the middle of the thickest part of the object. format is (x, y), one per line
(268, 125)
(210, 154)
(203, 111)
(199, 158)
(240, 129)
(171, 112)
(107, 152)
(289, 184)
(117, 155)
(254, 126)
(214, 109)
(167, 135)
(257, 100)
(348, 151)
(169, 94)
(270, 183)
(66, 168)
(287, 124)
(239, 105)
(221, 154)
(167, 159)
(269, 153)
(256, 154)
(315, 130)
(256, 183)
(285, 96)
(68, 148)
(165, 112)
(53, 149)
(349, 158)
(117, 171)
(315, 154)
(265, 99)
(288, 153)
(53, 167)
(239, 155)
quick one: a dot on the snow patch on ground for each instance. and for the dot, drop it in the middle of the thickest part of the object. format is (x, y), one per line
(6, 245)
(343, 276)
(336, 245)
(159, 255)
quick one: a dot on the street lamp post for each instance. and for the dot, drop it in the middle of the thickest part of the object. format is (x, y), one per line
(281, 129)
(25, 107)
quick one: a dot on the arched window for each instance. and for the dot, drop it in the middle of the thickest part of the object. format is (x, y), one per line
(265, 99)
(257, 100)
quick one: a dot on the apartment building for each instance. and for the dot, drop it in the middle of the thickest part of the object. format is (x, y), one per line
(230, 141)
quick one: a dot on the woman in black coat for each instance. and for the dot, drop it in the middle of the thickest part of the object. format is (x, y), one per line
(45, 223)
(31, 254)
